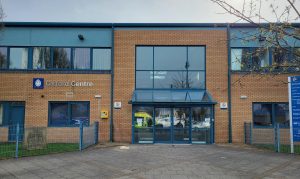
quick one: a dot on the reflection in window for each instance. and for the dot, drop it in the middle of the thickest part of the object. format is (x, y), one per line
(41, 58)
(3, 57)
(282, 114)
(18, 58)
(59, 114)
(81, 58)
(181, 117)
(170, 58)
(80, 112)
(68, 113)
(201, 117)
(175, 67)
(262, 115)
(281, 56)
(260, 58)
(144, 58)
(162, 117)
(62, 58)
(101, 59)
(241, 59)
(143, 124)
(1, 114)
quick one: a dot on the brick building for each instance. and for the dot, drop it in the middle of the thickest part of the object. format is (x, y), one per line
(159, 83)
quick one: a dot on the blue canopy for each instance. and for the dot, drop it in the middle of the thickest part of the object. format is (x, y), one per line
(172, 96)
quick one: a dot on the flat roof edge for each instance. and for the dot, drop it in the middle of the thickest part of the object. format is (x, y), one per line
(109, 25)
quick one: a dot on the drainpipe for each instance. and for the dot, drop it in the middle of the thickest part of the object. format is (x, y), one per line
(111, 123)
(229, 85)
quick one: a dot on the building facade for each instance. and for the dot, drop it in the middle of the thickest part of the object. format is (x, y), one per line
(144, 83)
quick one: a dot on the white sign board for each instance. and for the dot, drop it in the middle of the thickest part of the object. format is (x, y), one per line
(223, 105)
(117, 105)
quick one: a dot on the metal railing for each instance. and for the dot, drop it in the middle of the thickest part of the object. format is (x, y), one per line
(19, 141)
(276, 138)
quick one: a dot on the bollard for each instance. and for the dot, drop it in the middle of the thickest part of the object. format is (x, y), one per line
(17, 140)
(96, 129)
(81, 136)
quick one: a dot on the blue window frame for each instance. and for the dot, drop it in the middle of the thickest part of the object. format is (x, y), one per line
(55, 58)
(170, 67)
(266, 115)
(68, 114)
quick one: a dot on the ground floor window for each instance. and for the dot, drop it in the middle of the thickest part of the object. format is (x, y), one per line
(268, 114)
(67, 114)
(165, 124)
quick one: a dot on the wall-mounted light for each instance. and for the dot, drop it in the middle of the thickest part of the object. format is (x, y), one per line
(243, 97)
(80, 37)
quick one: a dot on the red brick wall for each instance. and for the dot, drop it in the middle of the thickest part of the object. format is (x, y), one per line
(124, 63)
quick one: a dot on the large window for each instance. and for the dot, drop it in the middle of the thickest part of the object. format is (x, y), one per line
(18, 58)
(170, 67)
(68, 113)
(245, 59)
(55, 58)
(268, 114)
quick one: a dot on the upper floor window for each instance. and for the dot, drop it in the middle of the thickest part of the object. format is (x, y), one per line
(62, 58)
(3, 57)
(55, 58)
(18, 58)
(41, 58)
(255, 59)
(245, 59)
(170, 67)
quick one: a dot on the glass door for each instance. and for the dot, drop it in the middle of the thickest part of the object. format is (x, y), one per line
(181, 125)
(163, 125)
(201, 124)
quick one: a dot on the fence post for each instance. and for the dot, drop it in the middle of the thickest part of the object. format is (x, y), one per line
(96, 129)
(251, 128)
(245, 132)
(278, 137)
(17, 140)
(81, 135)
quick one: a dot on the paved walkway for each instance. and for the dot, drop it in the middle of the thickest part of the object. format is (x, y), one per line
(156, 161)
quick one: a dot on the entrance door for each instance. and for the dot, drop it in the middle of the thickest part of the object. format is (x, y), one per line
(163, 123)
(201, 124)
(181, 125)
(16, 116)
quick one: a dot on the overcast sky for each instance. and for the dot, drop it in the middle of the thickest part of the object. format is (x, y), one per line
(167, 11)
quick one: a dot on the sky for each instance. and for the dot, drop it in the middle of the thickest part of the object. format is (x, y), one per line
(127, 11)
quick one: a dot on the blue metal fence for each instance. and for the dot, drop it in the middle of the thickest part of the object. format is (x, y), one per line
(35, 140)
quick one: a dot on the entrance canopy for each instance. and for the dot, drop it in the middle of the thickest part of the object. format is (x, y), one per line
(172, 96)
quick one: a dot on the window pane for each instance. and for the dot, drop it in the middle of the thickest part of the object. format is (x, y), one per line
(18, 58)
(170, 79)
(59, 114)
(170, 58)
(280, 56)
(143, 124)
(1, 114)
(262, 115)
(196, 58)
(201, 117)
(3, 57)
(282, 114)
(62, 58)
(241, 59)
(80, 112)
(81, 58)
(144, 58)
(41, 58)
(260, 58)
(101, 59)
(196, 80)
(144, 79)
(162, 117)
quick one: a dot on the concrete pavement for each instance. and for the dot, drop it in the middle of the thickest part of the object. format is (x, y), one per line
(156, 161)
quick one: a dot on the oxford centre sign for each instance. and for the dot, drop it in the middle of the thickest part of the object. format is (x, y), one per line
(294, 108)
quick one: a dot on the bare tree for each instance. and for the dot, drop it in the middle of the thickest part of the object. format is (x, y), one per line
(272, 35)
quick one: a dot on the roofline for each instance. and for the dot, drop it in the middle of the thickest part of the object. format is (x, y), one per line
(109, 25)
